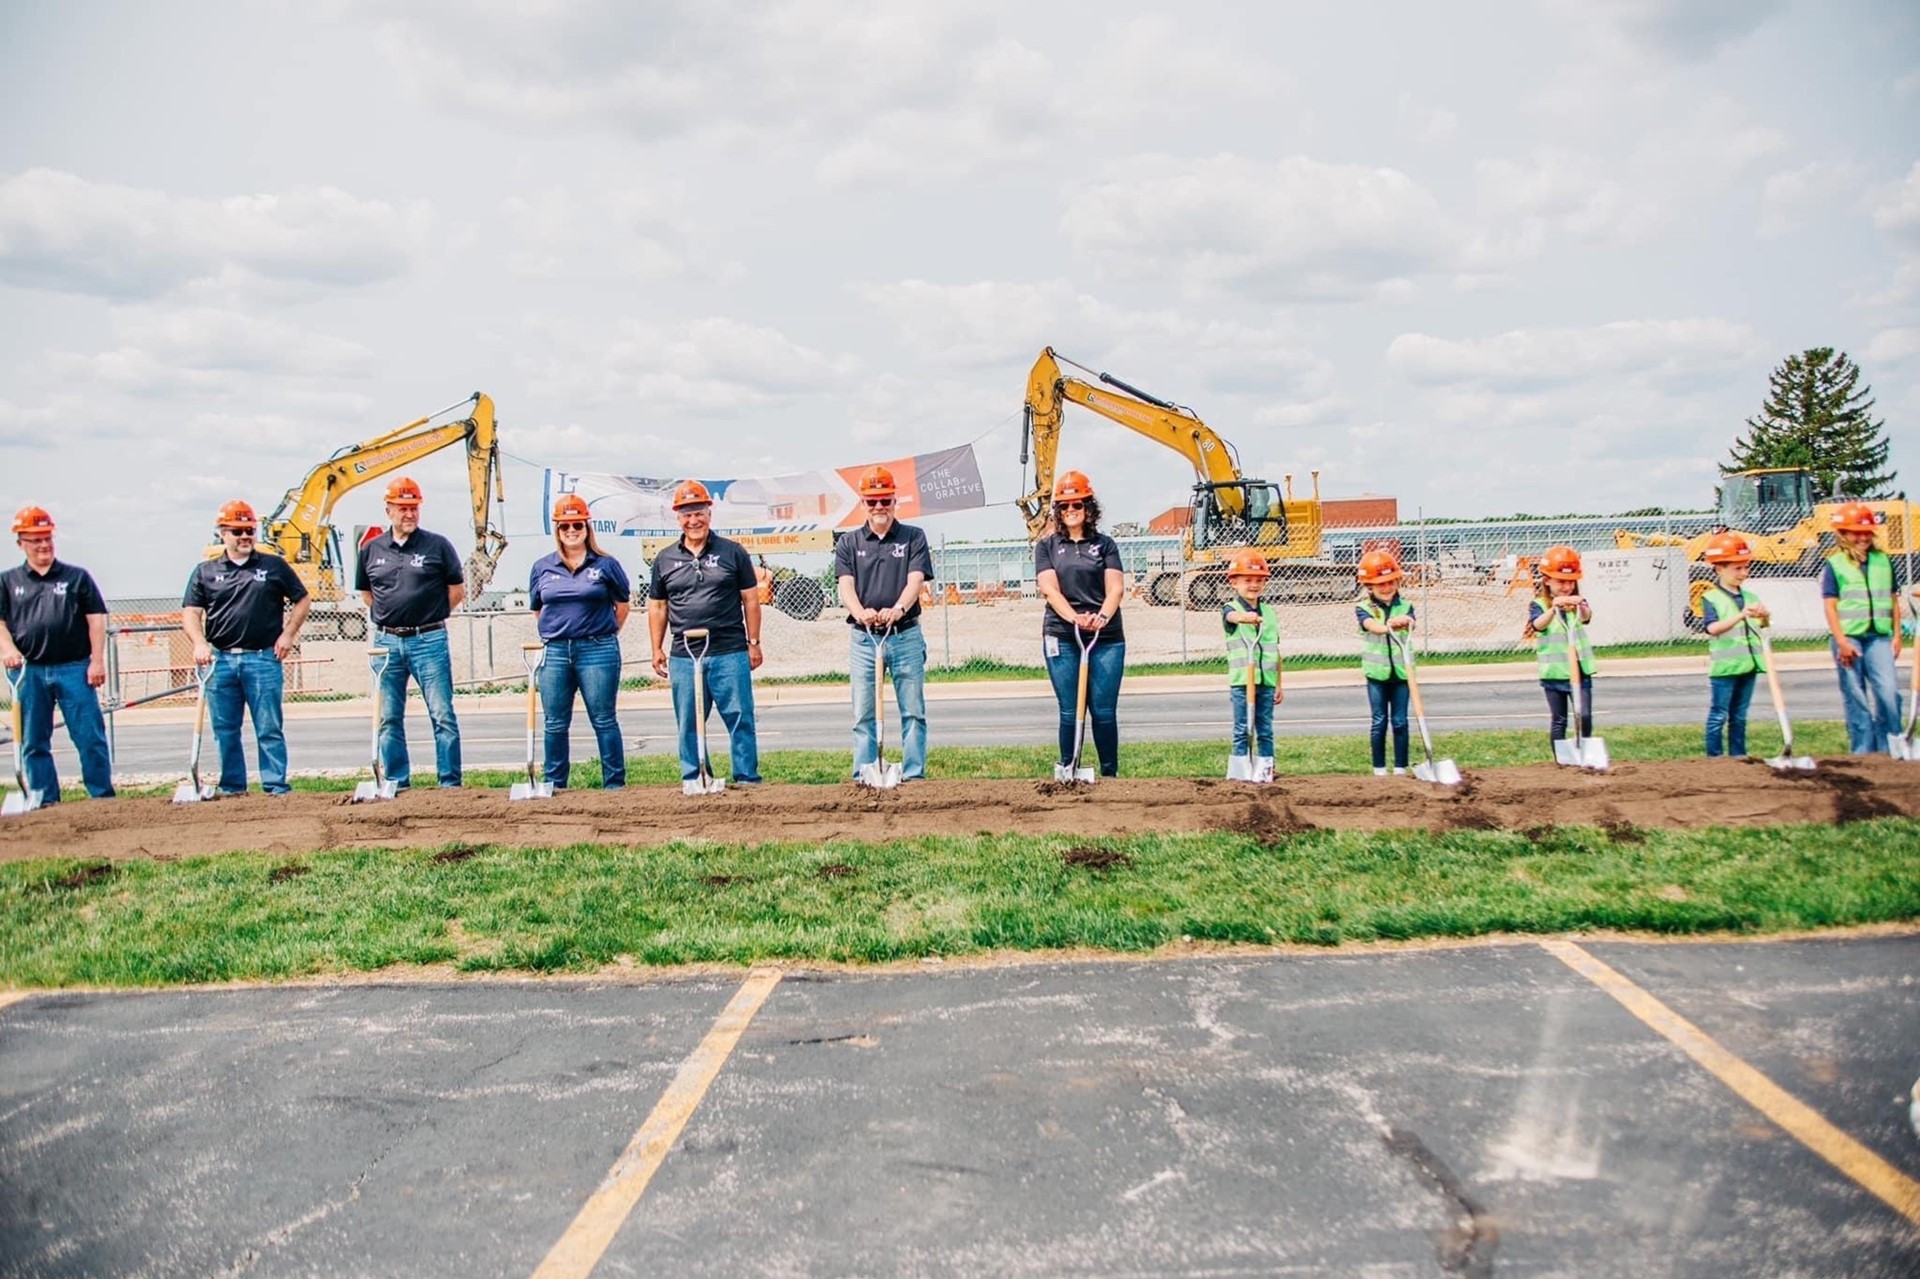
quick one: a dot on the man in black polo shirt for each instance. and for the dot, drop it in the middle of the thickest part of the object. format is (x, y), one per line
(411, 580)
(881, 566)
(53, 640)
(235, 612)
(707, 581)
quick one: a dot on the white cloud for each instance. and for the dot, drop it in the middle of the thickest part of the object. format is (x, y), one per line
(1787, 198)
(1896, 208)
(1297, 228)
(1894, 346)
(1665, 349)
(1425, 122)
(1686, 29)
(65, 233)
(707, 366)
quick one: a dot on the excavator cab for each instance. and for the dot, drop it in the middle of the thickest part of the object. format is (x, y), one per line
(1238, 513)
(1766, 501)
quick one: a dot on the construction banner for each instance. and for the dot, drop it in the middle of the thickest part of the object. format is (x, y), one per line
(800, 512)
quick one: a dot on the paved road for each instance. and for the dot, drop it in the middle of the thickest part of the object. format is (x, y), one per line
(496, 738)
(1401, 1115)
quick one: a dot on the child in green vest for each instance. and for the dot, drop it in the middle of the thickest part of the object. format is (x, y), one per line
(1253, 657)
(1384, 620)
(1734, 658)
(1547, 625)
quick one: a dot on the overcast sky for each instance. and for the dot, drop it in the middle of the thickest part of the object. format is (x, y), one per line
(1484, 257)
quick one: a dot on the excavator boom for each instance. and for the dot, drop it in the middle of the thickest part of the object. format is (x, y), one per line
(300, 529)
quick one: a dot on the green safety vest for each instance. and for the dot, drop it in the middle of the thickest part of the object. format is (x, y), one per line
(1735, 651)
(1866, 599)
(1380, 656)
(1243, 641)
(1550, 652)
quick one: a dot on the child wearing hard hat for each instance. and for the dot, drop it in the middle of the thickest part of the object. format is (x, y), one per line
(1558, 598)
(1253, 660)
(1734, 657)
(1385, 618)
(1858, 588)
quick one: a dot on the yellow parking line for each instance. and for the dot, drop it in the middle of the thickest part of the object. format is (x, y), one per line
(1805, 1124)
(579, 1249)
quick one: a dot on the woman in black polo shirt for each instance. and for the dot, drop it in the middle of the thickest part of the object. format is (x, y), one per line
(1079, 573)
(580, 598)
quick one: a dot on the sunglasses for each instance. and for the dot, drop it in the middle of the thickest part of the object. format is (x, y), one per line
(572, 526)
(879, 503)
(1069, 506)
(240, 532)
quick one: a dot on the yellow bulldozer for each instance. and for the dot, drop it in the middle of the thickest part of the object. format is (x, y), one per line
(1780, 513)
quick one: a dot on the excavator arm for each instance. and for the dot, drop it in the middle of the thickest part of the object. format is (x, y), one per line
(1215, 463)
(301, 530)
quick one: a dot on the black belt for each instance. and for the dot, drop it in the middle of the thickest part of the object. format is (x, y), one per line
(881, 630)
(405, 632)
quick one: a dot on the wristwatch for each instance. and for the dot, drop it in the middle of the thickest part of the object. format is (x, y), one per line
(753, 643)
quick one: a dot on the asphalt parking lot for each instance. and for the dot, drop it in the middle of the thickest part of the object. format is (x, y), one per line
(1478, 1110)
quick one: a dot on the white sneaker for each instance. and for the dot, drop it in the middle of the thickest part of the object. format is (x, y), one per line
(1399, 772)
(1379, 772)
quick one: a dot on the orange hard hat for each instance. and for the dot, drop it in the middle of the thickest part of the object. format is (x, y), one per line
(877, 482)
(235, 514)
(1854, 517)
(571, 507)
(1377, 568)
(32, 519)
(1727, 548)
(403, 492)
(691, 493)
(1072, 487)
(1248, 563)
(1562, 562)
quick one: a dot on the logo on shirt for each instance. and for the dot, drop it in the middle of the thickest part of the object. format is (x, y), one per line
(259, 575)
(899, 552)
(593, 575)
(420, 560)
(379, 562)
(60, 588)
(1091, 551)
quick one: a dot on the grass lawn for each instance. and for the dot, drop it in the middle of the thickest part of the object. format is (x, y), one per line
(246, 916)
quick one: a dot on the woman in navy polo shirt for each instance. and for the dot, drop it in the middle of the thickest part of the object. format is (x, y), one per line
(580, 598)
(1081, 577)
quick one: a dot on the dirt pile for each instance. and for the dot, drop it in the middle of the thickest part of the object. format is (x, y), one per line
(1684, 793)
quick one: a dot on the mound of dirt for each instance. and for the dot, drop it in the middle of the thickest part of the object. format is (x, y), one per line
(1684, 793)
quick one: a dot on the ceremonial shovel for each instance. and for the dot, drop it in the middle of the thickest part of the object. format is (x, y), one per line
(879, 774)
(192, 792)
(533, 788)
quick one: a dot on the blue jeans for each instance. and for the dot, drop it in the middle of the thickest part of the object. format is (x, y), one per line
(1262, 718)
(1104, 669)
(249, 683)
(1871, 689)
(42, 687)
(728, 680)
(591, 668)
(1560, 706)
(1727, 712)
(906, 657)
(1387, 698)
(426, 659)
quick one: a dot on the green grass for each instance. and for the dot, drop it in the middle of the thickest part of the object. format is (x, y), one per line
(253, 916)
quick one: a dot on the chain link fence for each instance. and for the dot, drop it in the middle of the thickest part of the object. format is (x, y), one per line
(1469, 583)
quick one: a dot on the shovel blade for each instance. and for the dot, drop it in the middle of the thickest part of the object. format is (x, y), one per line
(368, 792)
(1791, 763)
(530, 790)
(1593, 754)
(696, 786)
(1566, 753)
(1442, 772)
(1263, 769)
(1239, 768)
(879, 776)
(1901, 746)
(18, 803)
(188, 793)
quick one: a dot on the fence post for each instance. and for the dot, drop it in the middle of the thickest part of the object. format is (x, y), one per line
(946, 610)
(1180, 602)
(1426, 573)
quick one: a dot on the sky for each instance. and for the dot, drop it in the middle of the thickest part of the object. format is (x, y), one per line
(1483, 257)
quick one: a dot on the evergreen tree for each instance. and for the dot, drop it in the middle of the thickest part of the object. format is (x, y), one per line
(1818, 415)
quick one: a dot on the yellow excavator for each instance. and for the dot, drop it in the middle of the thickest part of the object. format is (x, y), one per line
(1780, 513)
(300, 529)
(1229, 510)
